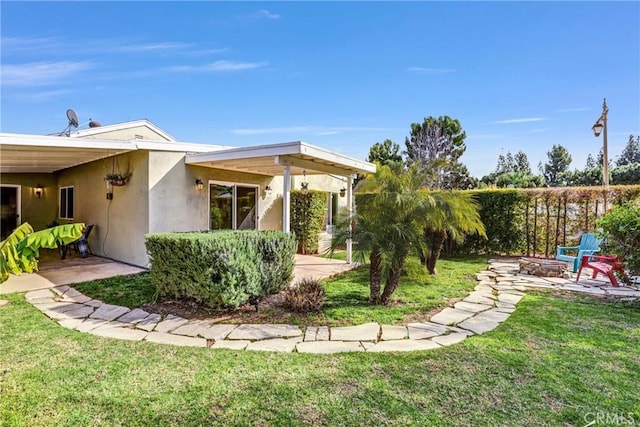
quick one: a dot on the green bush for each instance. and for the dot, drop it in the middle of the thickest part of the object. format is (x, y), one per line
(308, 213)
(621, 228)
(221, 268)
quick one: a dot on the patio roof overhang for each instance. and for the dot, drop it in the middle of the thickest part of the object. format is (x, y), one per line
(21, 153)
(270, 160)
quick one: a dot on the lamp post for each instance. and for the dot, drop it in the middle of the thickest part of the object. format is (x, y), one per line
(601, 126)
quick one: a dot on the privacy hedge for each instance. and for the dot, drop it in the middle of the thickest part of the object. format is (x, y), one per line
(221, 268)
(536, 221)
(308, 213)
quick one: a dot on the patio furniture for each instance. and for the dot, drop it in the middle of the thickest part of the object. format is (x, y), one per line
(542, 267)
(601, 264)
(80, 246)
(589, 245)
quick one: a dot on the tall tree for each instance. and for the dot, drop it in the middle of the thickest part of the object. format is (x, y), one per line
(559, 161)
(385, 153)
(591, 162)
(436, 145)
(631, 152)
(522, 163)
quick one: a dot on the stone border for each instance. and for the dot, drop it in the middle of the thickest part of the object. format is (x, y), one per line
(499, 290)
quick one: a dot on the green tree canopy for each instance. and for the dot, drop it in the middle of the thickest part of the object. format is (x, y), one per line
(559, 161)
(631, 152)
(385, 153)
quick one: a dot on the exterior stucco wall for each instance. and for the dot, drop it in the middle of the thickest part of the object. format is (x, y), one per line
(120, 223)
(39, 212)
(175, 204)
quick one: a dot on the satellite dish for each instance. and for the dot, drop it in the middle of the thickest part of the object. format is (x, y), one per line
(73, 118)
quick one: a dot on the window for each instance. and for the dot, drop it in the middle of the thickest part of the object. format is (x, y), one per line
(332, 213)
(66, 203)
(232, 206)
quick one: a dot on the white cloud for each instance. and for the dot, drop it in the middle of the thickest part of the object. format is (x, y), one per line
(523, 120)
(42, 96)
(42, 73)
(263, 13)
(152, 47)
(428, 70)
(204, 52)
(222, 65)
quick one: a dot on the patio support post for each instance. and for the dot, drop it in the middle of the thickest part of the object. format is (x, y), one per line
(350, 211)
(286, 200)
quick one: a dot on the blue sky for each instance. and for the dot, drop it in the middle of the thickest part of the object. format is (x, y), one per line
(340, 75)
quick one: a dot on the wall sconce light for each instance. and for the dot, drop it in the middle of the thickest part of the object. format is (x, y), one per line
(343, 191)
(268, 190)
(199, 184)
(38, 190)
(304, 185)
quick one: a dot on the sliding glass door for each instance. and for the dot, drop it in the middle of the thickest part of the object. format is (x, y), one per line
(233, 206)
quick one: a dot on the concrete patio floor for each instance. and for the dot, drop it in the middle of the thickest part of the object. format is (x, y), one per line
(56, 272)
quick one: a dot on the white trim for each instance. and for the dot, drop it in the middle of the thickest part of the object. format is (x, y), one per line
(73, 207)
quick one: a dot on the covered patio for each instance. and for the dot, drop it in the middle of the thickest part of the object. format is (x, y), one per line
(286, 160)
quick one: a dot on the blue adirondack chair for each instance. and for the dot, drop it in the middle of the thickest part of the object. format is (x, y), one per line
(589, 245)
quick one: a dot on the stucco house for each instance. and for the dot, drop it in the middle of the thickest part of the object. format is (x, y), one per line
(173, 185)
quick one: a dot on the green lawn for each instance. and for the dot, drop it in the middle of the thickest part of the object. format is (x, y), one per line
(556, 360)
(418, 295)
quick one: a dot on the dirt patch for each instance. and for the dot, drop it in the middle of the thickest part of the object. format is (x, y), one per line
(270, 310)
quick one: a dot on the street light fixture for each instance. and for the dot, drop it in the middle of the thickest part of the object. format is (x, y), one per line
(598, 127)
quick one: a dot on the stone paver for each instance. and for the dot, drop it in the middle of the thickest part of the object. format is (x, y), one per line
(149, 322)
(179, 340)
(478, 326)
(327, 347)
(217, 332)
(120, 333)
(109, 312)
(262, 332)
(42, 293)
(451, 316)
(90, 324)
(510, 298)
(192, 328)
(134, 316)
(472, 307)
(276, 344)
(391, 332)
(310, 333)
(403, 345)
(449, 339)
(170, 323)
(79, 313)
(492, 316)
(70, 323)
(323, 333)
(231, 345)
(364, 332)
(56, 306)
(420, 331)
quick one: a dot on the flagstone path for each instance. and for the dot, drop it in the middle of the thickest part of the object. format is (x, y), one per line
(499, 290)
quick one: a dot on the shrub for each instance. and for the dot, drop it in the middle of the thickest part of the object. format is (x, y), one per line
(307, 218)
(621, 228)
(221, 268)
(307, 295)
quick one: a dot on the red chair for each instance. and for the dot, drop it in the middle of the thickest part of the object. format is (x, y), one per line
(603, 264)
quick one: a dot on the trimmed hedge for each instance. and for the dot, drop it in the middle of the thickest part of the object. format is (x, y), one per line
(221, 268)
(308, 212)
(536, 221)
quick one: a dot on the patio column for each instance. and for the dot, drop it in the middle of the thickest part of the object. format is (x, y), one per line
(350, 212)
(286, 200)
